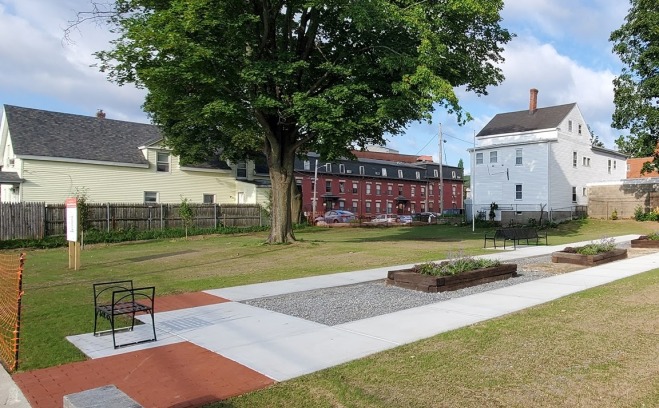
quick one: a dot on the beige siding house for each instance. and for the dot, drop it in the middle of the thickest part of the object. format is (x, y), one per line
(49, 156)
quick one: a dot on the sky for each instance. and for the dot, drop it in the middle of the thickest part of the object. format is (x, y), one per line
(561, 48)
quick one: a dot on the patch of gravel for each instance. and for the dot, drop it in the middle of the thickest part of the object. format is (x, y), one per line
(343, 304)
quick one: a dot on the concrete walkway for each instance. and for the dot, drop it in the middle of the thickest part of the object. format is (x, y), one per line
(280, 347)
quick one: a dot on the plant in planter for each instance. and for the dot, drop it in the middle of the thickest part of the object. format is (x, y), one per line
(647, 241)
(595, 253)
(456, 273)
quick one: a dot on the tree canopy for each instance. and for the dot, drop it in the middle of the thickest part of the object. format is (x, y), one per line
(287, 77)
(637, 88)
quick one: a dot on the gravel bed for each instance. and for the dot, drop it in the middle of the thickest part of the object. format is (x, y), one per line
(343, 304)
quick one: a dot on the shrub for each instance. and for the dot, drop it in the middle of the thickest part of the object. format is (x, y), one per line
(654, 236)
(638, 213)
(614, 214)
(594, 248)
(454, 266)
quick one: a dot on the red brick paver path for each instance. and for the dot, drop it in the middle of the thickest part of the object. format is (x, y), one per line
(178, 375)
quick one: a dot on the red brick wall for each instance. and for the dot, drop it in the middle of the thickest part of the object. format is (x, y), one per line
(634, 167)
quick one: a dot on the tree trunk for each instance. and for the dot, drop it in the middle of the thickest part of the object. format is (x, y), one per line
(281, 177)
(296, 203)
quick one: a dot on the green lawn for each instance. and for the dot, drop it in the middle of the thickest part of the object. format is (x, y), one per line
(58, 301)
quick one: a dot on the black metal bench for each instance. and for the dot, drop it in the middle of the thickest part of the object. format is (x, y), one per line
(516, 235)
(120, 298)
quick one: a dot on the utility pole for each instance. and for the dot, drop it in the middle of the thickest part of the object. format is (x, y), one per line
(441, 171)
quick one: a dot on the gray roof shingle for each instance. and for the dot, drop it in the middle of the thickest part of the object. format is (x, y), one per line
(42, 133)
(523, 121)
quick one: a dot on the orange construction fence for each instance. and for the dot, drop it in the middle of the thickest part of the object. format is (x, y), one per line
(11, 292)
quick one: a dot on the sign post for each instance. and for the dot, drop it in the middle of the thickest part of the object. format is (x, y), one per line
(72, 223)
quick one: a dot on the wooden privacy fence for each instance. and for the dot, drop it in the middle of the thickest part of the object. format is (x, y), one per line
(39, 220)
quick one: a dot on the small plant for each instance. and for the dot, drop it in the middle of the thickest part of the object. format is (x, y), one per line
(454, 266)
(653, 236)
(186, 214)
(594, 248)
(638, 213)
(614, 214)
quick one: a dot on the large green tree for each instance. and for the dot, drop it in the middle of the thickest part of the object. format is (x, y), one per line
(284, 77)
(637, 88)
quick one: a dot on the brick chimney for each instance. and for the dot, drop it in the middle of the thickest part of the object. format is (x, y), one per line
(533, 101)
(100, 114)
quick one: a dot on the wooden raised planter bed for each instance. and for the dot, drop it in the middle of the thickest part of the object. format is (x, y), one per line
(569, 256)
(408, 279)
(644, 242)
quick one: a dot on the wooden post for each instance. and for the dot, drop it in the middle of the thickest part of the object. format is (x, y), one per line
(72, 235)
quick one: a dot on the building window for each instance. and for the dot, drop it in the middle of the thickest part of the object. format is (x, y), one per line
(584, 192)
(354, 206)
(574, 159)
(328, 167)
(569, 126)
(354, 188)
(400, 190)
(479, 160)
(150, 196)
(384, 172)
(390, 207)
(377, 207)
(453, 175)
(307, 165)
(418, 175)
(378, 189)
(413, 207)
(342, 205)
(430, 189)
(423, 191)
(518, 191)
(574, 194)
(614, 165)
(368, 188)
(368, 207)
(518, 157)
(413, 192)
(400, 173)
(328, 186)
(609, 166)
(162, 162)
(493, 157)
(585, 161)
(436, 172)
(342, 186)
(579, 128)
(361, 170)
(208, 199)
(629, 167)
(390, 190)
(342, 168)
(241, 170)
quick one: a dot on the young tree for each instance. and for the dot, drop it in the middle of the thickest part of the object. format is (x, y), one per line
(594, 139)
(285, 77)
(461, 164)
(637, 87)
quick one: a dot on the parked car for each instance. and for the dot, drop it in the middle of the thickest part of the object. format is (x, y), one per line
(336, 216)
(405, 219)
(385, 218)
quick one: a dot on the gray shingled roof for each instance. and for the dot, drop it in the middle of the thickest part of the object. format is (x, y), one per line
(41, 133)
(523, 121)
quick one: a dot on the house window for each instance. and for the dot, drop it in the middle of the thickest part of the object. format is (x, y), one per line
(418, 175)
(342, 168)
(307, 165)
(423, 191)
(354, 206)
(150, 196)
(361, 170)
(453, 174)
(430, 189)
(162, 162)
(518, 157)
(629, 167)
(328, 167)
(378, 189)
(574, 159)
(436, 172)
(368, 207)
(574, 194)
(400, 190)
(342, 205)
(413, 207)
(342, 186)
(377, 207)
(368, 188)
(413, 192)
(390, 207)
(585, 161)
(609, 166)
(328, 186)
(12, 162)
(400, 173)
(390, 190)
(584, 192)
(493, 157)
(579, 128)
(384, 172)
(241, 170)
(614, 165)
(354, 188)
(518, 191)
(479, 160)
(208, 199)
(569, 126)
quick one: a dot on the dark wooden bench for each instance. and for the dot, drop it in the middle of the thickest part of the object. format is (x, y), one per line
(516, 235)
(120, 298)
